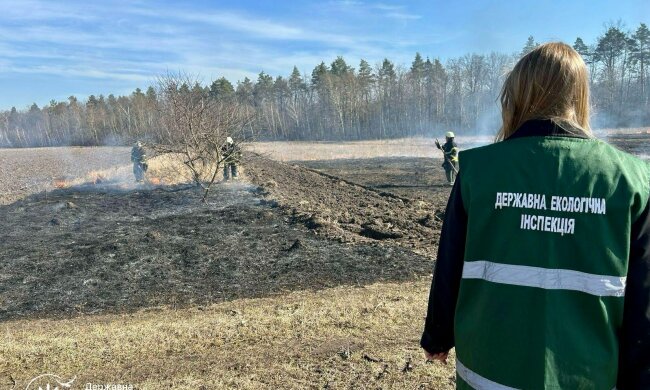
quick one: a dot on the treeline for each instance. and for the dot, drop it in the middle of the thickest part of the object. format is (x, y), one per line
(341, 102)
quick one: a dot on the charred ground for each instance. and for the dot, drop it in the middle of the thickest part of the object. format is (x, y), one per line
(109, 247)
(288, 226)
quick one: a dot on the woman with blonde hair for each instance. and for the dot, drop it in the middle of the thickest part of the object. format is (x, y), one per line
(542, 279)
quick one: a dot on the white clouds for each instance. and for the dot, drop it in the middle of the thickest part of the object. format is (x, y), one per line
(34, 10)
(258, 27)
(396, 12)
(402, 16)
(131, 43)
(389, 11)
(79, 71)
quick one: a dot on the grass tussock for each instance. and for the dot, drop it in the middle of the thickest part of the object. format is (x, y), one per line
(338, 338)
(169, 169)
(166, 169)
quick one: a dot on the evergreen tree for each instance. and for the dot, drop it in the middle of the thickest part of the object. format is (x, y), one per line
(137, 94)
(221, 88)
(581, 48)
(339, 67)
(529, 46)
(318, 75)
(387, 71)
(296, 83)
(417, 67)
(184, 89)
(244, 91)
(281, 88)
(365, 76)
(264, 86)
(151, 94)
(198, 91)
(611, 46)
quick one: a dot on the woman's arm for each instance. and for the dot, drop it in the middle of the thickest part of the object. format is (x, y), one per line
(438, 336)
(634, 354)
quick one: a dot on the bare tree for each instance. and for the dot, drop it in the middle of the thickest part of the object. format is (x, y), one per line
(195, 126)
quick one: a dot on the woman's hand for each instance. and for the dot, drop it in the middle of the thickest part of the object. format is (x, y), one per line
(442, 356)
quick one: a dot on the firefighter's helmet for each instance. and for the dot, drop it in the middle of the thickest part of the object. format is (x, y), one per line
(449, 134)
(229, 140)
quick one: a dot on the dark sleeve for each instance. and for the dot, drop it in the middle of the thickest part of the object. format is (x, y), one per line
(438, 333)
(634, 352)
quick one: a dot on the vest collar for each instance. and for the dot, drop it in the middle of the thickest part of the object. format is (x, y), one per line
(545, 128)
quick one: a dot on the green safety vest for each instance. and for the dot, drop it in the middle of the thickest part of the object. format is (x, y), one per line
(546, 258)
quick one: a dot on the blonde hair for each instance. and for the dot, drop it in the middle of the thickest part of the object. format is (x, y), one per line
(550, 82)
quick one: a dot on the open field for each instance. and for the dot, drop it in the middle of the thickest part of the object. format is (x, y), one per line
(634, 140)
(339, 338)
(309, 151)
(283, 280)
(307, 274)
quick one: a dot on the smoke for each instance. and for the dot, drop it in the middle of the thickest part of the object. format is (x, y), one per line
(488, 121)
(629, 118)
(114, 140)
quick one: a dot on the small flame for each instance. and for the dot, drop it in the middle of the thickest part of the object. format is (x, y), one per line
(96, 178)
(156, 181)
(61, 183)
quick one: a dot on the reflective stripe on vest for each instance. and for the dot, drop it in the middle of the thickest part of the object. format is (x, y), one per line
(549, 279)
(476, 381)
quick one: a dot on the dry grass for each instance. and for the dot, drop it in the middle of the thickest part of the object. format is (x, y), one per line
(309, 151)
(338, 338)
(622, 130)
(165, 169)
(169, 169)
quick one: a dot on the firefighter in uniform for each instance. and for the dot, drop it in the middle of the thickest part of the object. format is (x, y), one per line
(450, 155)
(231, 154)
(139, 159)
(542, 278)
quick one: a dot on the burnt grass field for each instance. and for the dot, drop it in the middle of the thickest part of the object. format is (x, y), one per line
(116, 247)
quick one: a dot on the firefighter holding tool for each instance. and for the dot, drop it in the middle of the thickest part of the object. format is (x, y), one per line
(450, 155)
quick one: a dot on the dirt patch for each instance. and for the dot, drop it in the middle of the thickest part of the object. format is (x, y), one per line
(410, 177)
(344, 210)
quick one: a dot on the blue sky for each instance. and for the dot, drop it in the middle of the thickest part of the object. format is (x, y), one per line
(53, 49)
